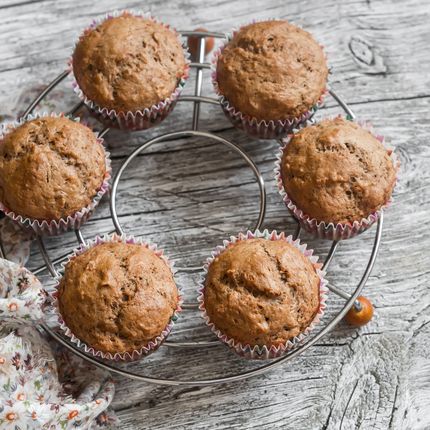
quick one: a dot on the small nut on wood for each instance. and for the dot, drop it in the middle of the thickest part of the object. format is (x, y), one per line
(361, 313)
(193, 44)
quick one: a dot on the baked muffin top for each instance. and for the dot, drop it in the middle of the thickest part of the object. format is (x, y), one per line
(50, 168)
(272, 70)
(117, 297)
(336, 171)
(261, 292)
(128, 63)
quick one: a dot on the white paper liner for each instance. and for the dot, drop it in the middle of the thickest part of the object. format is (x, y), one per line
(321, 229)
(71, 222)
(263, 352)
(119, 356)
(131, 120)
(262, 129)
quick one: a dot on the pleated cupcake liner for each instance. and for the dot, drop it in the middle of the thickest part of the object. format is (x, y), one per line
(131, 120)
(56, 318)
(330, 230)
(264, 352)
(261, 129)
(71, 222)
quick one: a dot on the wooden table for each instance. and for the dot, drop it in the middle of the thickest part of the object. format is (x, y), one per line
(189, 194)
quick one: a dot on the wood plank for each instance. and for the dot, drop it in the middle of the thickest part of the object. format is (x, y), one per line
(189, 194)
(367, 43)
(341, 367)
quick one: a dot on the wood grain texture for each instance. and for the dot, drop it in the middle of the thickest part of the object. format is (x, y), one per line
(189, 194)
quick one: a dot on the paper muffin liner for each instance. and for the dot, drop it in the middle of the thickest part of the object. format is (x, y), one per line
(264, 352)
(262, 129)
(71, 222)
(131, 120)
(55, 314)
(322, 229)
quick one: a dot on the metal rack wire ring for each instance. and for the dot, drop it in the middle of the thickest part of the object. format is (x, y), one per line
(197, 99)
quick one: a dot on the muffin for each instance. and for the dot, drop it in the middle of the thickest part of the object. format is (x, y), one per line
(272, 71)
(337, 172)
(261, 293)
(52, 172)
(127, 64)
(118, 298)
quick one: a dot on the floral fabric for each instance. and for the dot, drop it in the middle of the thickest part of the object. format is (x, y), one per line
(16, 241)
(22, 298)
(42, 386)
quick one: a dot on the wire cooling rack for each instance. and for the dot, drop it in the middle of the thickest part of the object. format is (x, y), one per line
(197, 100)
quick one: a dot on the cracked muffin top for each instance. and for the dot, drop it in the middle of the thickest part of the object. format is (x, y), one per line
(261, 292)
(272, 70)
(128, 63)
(50, 168)
(338, 172)
(117, 297)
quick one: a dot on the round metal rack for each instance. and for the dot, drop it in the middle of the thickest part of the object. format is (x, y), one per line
(197, 99)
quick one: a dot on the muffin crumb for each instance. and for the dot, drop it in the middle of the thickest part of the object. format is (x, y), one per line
(117, 297)
(272, 70)
(336, 171)
(261, 292)
(50, 168)
(128, 63)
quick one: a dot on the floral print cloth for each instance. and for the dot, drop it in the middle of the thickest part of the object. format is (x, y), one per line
(42, 386)
(22, 298)
(16, 241)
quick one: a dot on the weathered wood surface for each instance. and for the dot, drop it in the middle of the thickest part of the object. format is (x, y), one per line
(189, 194)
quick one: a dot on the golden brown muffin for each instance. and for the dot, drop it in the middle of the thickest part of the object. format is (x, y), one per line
(117, 297)
(261, 292)
(50, 168)
(128, 63)
(338, 172)
(272, 70)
